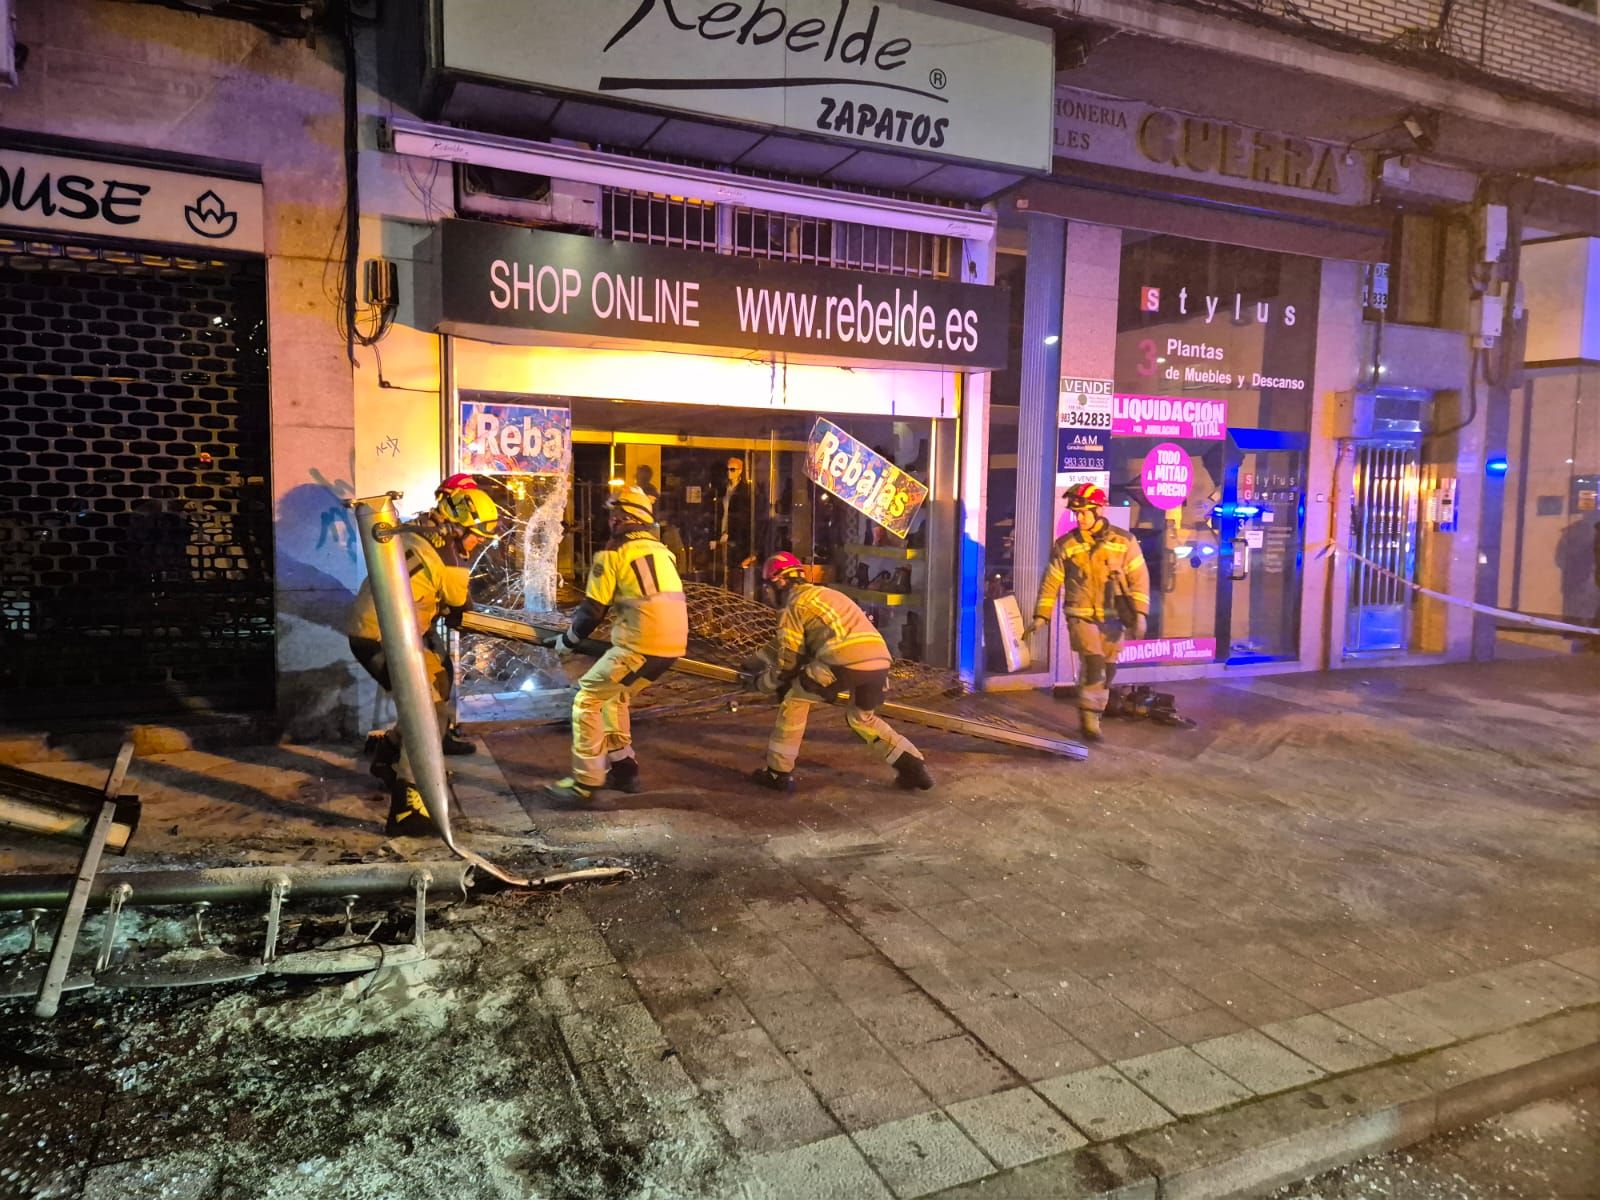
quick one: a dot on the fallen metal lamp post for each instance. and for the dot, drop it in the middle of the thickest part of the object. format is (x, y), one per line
(347, 953)
(378, 522)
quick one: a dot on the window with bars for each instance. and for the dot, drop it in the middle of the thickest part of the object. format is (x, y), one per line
(630, 216)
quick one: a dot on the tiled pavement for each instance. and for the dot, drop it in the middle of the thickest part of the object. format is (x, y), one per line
(879, 993)
(874, 993)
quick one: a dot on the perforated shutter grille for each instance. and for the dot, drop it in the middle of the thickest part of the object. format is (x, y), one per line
(135, 506)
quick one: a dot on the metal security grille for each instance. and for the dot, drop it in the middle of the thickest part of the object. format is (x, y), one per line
(630, 216)
(1383, 530)
(135, 508)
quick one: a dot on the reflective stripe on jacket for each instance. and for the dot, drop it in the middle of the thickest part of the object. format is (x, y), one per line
(636, 577)
(435, 585)
(818, 624)
(1080, 571)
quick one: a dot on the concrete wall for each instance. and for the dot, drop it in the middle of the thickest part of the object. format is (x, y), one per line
(146, 77)
(1547, 551)
(1537, 42)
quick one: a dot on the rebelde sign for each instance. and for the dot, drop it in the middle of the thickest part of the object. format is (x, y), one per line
(498, 281)
(907, 75)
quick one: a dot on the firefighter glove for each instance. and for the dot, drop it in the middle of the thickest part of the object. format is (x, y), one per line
(768, 682)
(560, 644)
(1038, 624)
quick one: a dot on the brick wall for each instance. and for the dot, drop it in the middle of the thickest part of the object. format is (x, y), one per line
(1539, 45)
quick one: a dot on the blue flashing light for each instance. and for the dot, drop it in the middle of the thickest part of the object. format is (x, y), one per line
(1497, 466)
(1207, 551)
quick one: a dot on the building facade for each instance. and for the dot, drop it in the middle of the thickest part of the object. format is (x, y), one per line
(1245, 269)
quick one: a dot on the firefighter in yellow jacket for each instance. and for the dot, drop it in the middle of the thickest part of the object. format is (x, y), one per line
(438, 548)
(635, 581)
(825, 651)
(1098, 571)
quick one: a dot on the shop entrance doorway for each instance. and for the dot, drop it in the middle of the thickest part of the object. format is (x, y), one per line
(1260, 522)
(1383, 530)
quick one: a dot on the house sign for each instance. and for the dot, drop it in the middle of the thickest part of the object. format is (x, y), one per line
(1114, 132)
(55, 194)
(918, 77)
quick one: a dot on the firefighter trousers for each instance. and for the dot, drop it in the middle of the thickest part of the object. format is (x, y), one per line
(1097, 644)
(602, 731)
(435, 663)
(862, 692)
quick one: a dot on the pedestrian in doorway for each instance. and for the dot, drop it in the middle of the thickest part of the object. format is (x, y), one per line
(825, 651)
(438, 547)
(643, 477)
(1098, 574)
(635, 581)
(734, 547)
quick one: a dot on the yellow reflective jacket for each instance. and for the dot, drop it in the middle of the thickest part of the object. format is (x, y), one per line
(636, 578)
(435, 585)
(818, 624)
(1081, 568)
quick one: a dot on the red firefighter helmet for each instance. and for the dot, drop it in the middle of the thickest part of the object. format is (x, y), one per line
(1084, 495)
(455, 483)
(783, 565)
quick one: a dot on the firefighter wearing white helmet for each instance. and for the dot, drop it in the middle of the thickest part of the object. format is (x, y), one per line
(635, 581)
(1099, 574)
(826, 651)
(438, 547)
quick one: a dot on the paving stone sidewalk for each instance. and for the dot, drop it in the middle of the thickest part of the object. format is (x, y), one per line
(882, 993)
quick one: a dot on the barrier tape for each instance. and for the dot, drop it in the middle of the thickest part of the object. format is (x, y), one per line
(1509, 616)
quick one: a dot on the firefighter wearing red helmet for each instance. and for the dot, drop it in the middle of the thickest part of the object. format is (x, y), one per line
(1098, 574)
(439, 546)
(825, 651)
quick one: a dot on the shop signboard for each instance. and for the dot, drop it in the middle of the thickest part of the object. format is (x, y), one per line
(1148, 651)
(1169, 416)
(1113, 132)
(65, 194)
(499, 438)
(1166, 476)
(863, 478)
(1085, 403)
(506, 283)
(913, 76)
(1080, 450)
(1210, 335)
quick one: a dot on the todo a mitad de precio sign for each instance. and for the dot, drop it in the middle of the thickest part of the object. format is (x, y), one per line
(863, 478)
(501, 281)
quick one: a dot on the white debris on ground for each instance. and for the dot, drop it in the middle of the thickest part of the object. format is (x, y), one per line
(448, 1077)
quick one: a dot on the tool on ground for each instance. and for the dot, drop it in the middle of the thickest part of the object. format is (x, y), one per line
(513, 628)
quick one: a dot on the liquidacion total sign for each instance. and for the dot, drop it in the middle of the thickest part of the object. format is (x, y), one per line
(1167, 476)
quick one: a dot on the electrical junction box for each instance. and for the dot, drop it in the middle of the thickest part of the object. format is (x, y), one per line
(1488, 318)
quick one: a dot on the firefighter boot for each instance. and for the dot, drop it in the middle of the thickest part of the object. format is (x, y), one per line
(384, 751)
(777, 781)
(455, 742)
(1089, 725)
(569, 791)
(623, 776)
(408, 815)
(911, 773)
